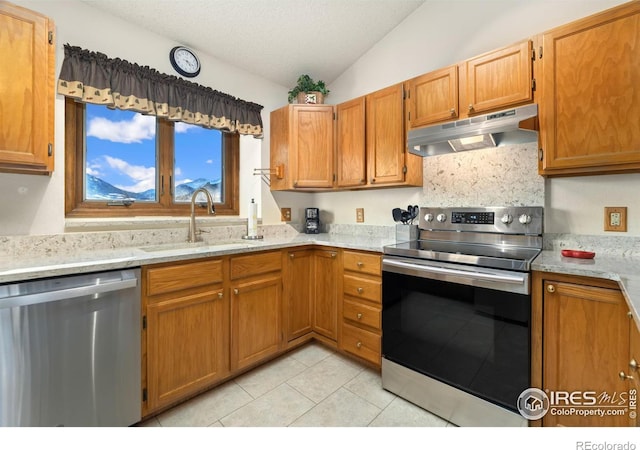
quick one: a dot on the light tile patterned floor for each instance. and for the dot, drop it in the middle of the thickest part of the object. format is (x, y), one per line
(312, 386)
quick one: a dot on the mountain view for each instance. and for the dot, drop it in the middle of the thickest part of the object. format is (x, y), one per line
(98, 189)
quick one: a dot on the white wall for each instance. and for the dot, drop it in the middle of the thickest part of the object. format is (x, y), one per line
(40, 210)
(442, 32)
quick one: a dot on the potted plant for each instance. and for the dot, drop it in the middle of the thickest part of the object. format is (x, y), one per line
(308, 91)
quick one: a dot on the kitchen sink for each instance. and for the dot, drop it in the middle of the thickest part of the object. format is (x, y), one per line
(197, 247)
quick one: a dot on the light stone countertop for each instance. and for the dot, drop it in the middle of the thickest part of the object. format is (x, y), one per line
(623, 269)
(50, 265)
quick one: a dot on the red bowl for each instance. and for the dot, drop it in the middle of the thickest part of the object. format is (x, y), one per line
(578, 254)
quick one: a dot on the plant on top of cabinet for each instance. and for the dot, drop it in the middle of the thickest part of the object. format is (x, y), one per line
(27, 52)
(308, 91)
(590, 107)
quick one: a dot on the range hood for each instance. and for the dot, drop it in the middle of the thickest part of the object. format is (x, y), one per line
(490, 130)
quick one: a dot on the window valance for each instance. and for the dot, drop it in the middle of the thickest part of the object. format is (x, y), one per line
(92, 77)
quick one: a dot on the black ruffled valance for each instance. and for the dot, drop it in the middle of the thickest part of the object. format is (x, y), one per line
(92, 77)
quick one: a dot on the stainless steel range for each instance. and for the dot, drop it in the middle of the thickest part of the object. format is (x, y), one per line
(456, 313)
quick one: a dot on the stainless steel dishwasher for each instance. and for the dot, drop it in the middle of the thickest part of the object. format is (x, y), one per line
(70, 351)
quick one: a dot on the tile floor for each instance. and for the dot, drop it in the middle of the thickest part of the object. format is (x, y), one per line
(312, 386)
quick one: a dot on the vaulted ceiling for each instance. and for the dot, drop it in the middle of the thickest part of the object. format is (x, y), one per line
(276, 39)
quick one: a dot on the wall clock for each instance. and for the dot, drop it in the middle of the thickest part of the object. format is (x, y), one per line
(184, 61)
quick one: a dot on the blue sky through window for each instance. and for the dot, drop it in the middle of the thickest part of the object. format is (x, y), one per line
(121, 151)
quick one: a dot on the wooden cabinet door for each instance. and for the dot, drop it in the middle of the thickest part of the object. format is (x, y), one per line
(386, 136)
(27, 53)
(433, 97)
(325, 308)
(633, 370)
(187, 345)
(590, 107)
(298, 293)
(350, 143)
(312, 146)
(256, 325)
(585, 346)
(499, 79)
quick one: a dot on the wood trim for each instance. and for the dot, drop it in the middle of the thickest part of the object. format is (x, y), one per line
(74, 173)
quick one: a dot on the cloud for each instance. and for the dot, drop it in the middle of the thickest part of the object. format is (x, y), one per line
(136, 130)
(94, 169)
(177, 172)
(144, 177)
(209, 161)
(181, 127)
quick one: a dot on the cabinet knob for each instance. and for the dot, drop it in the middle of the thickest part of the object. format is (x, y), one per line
(360, 290)
(470, 107)
(295, 184)
(359, 344)
(551, 288)
(333, 254)
(453, 111)
(235, 291)
(220, 295)
(360, 264)
(359, 316)
(373, 180)
(291, 255)
(623, 376)
(633, 364)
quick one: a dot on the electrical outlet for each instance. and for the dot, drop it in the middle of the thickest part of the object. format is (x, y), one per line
(285, 214)
(359, 214)
(615, 218)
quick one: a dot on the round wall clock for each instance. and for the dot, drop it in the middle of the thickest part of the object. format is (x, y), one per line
(184, 61)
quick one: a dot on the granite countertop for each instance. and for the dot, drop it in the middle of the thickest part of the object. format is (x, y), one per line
(51, 265)
(623, 269)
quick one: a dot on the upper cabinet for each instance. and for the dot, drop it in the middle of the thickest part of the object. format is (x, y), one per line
(590, 105)
(302, 142)
(492, 81)
(27, 52)
(350, 143)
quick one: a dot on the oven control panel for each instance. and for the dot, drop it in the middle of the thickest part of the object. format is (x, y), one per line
(482, 218)
(509, 219)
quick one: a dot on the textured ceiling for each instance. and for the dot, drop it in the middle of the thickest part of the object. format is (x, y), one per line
(276, 39)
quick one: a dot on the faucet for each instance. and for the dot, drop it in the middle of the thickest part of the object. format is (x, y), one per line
(211, 209)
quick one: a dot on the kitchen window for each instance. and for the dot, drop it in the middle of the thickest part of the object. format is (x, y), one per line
(123, 163)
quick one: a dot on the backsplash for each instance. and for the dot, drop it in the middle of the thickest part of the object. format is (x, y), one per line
(501, 176)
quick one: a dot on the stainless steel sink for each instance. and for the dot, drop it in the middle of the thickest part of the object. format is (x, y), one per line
(197, 247)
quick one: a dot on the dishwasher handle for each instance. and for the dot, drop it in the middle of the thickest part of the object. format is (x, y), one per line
(68, 293)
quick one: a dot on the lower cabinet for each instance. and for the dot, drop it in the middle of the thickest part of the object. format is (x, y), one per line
(187, 329)
(298, 292)
(585, 350)
(325, 300)
(256, 308)
(362, 305)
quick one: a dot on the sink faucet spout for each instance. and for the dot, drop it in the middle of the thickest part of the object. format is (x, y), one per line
(210, 208)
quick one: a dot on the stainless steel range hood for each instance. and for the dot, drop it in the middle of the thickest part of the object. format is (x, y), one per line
(489, 130)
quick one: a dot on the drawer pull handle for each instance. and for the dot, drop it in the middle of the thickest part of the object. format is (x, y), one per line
(360, 290)
(633, 364)
(551, 288)
(360, 264)
(235, 291)
(623, 376)
(359, 316)
(359, 344)
(219, 294)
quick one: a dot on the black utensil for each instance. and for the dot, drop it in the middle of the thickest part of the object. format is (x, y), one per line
(397, 214)
(406, 216)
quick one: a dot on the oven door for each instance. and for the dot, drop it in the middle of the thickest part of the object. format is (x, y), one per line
(464, 326)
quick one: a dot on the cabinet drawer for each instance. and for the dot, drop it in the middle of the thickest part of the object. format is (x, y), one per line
(252, 264)
(362, 343)
(161, 280)
(363, 288)
(362, 262)
(361, 313)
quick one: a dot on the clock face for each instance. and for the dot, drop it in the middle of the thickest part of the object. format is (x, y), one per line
(184, 61)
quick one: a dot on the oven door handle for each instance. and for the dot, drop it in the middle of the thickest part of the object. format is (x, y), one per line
(504, 278)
